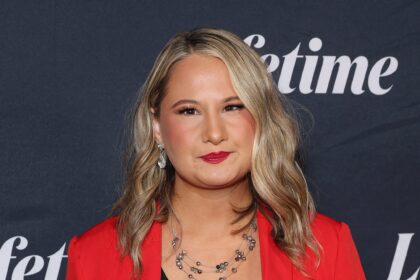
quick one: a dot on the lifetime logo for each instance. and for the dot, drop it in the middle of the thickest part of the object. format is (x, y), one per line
(22, 269)
(382, 68)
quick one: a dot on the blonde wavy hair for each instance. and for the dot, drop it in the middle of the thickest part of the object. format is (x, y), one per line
(277, 184)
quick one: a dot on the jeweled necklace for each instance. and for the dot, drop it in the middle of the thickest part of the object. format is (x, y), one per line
(195, 267)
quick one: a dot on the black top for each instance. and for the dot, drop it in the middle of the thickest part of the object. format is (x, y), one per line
(163, 275)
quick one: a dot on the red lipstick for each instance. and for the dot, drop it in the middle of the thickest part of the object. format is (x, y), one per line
(215, 157)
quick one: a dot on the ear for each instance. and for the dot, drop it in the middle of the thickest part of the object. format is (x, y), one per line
(156, 127)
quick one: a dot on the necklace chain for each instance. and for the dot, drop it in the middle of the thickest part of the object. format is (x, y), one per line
(192, 268)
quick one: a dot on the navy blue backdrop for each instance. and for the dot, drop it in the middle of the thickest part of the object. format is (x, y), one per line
(69, 70)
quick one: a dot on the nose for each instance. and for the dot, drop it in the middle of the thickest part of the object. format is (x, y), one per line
(214, 129)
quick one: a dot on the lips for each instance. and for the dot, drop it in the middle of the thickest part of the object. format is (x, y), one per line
(215, 157)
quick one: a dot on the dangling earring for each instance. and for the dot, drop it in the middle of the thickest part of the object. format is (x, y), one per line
(162, 158)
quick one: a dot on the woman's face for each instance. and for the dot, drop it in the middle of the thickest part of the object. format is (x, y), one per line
(201, 114)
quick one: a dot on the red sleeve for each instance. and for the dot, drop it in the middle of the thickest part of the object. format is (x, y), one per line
(74, 271)
(348, 265)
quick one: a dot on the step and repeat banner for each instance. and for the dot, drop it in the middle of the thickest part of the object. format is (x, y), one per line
(70, 70)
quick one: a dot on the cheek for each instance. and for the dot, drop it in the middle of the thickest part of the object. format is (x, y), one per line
(243, 130)
(247, 123)
(179, 135)
(248, 138)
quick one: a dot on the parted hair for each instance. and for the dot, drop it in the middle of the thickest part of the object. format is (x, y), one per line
(276, 181)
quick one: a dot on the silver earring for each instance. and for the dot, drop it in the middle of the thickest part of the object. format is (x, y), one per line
(162, 158)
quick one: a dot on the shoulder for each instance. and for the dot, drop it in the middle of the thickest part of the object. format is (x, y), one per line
(329, 232)
(325, 226)
(96, 252)
(339, 255)
(99, 237)
(103, 230)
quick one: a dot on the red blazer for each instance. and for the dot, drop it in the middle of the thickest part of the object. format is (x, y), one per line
(94, 254)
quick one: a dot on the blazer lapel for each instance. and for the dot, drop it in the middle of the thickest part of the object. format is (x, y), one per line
(151, 253)
(274, 262)
(151, 250)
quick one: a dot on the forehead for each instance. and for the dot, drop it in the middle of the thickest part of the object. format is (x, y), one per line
(199, 76)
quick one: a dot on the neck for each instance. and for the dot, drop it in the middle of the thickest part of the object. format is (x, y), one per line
(206, 210)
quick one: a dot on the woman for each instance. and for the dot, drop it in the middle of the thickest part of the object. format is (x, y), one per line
(213, 189)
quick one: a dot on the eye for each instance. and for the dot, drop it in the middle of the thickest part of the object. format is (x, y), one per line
(187, 111)
(234, 107)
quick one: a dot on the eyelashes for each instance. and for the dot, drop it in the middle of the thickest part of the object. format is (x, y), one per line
(193, 111)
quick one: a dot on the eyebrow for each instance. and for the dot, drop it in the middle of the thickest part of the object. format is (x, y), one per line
(227, 99)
